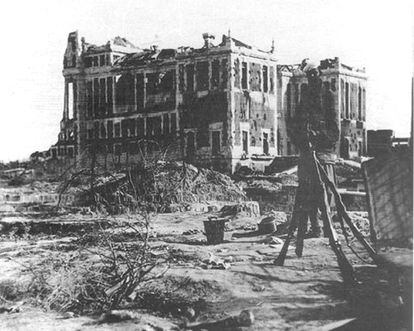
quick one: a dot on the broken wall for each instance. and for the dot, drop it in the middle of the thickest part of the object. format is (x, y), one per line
(390, 198)
(257, 110)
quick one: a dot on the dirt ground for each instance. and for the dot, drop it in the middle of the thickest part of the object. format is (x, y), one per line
(305, 294)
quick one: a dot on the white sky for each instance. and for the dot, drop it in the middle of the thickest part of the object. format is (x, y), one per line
(375, 34)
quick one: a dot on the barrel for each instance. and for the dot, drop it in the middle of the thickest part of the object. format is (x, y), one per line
(214, 230)
(267, 225)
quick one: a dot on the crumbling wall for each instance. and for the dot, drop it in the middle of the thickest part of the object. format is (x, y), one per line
(160, 91)
(255, 108)
(199, 112)
(355, 139)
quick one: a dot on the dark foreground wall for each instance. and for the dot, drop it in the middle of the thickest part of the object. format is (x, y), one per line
(389, 181)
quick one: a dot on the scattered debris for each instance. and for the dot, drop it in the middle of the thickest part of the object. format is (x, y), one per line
(115, 316)
(190, 232)
(245, 318)
(214, 262)
(247, 208)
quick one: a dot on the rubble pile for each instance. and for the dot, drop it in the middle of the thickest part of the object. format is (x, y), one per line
(261, 184)
(347, 170)
(188, 183)
(160, 187)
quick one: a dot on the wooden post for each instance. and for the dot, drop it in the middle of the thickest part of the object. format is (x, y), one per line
(346, 268)
(343, 213)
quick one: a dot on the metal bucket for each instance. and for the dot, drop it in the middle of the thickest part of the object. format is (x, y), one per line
(214, 230)
(267, 225)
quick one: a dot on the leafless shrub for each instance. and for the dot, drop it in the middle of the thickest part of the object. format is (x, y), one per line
(104, 273)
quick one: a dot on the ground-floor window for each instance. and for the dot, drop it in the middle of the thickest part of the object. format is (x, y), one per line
(215, 140)
(265, 143)
(245, 139)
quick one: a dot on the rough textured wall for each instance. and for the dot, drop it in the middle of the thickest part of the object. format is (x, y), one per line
(200, 112)
(353, 134)
(390, 198)
(254, 108)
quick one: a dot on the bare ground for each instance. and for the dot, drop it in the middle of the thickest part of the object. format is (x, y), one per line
(305, 294)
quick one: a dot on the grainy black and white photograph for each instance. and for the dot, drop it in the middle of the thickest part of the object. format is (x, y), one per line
(206, 165)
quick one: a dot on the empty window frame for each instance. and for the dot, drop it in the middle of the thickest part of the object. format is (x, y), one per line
(215, 142)
(190, 77)
(110, 129)
(165, 124)
(265, 78)
(347, 100)
(117, 130)
(245, 140)
(244, 75)
(202, 75)
(215, 74)
(173, 121)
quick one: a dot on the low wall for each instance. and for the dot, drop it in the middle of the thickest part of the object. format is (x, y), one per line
(284, 199)
(389, 182)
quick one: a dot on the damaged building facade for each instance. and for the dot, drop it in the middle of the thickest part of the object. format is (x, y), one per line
(214, 106)
(348, 85)
(223, 105)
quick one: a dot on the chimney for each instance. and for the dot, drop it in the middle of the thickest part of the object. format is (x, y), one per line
(208, 39)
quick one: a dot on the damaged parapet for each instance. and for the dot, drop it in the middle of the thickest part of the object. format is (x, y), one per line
(208, 40)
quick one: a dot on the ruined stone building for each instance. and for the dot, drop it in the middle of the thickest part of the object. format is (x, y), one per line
(349, 87)
(223, 105)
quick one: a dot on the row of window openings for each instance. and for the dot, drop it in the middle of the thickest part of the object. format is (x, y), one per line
(63, 151)
(264, 73)
(134, 128)
(198, 75)
(100, 91)
(99, 60)
(361, 101)
(327, 85)
(299, 93)
(191, 143)
(216, 142)
(245, 142)
(67, 135)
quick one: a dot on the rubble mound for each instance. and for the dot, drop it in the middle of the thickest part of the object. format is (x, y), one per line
(248, 208)
(261, 184)
(159, 187)
(346, 170)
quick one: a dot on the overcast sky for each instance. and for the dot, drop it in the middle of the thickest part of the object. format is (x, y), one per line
(375, 34)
